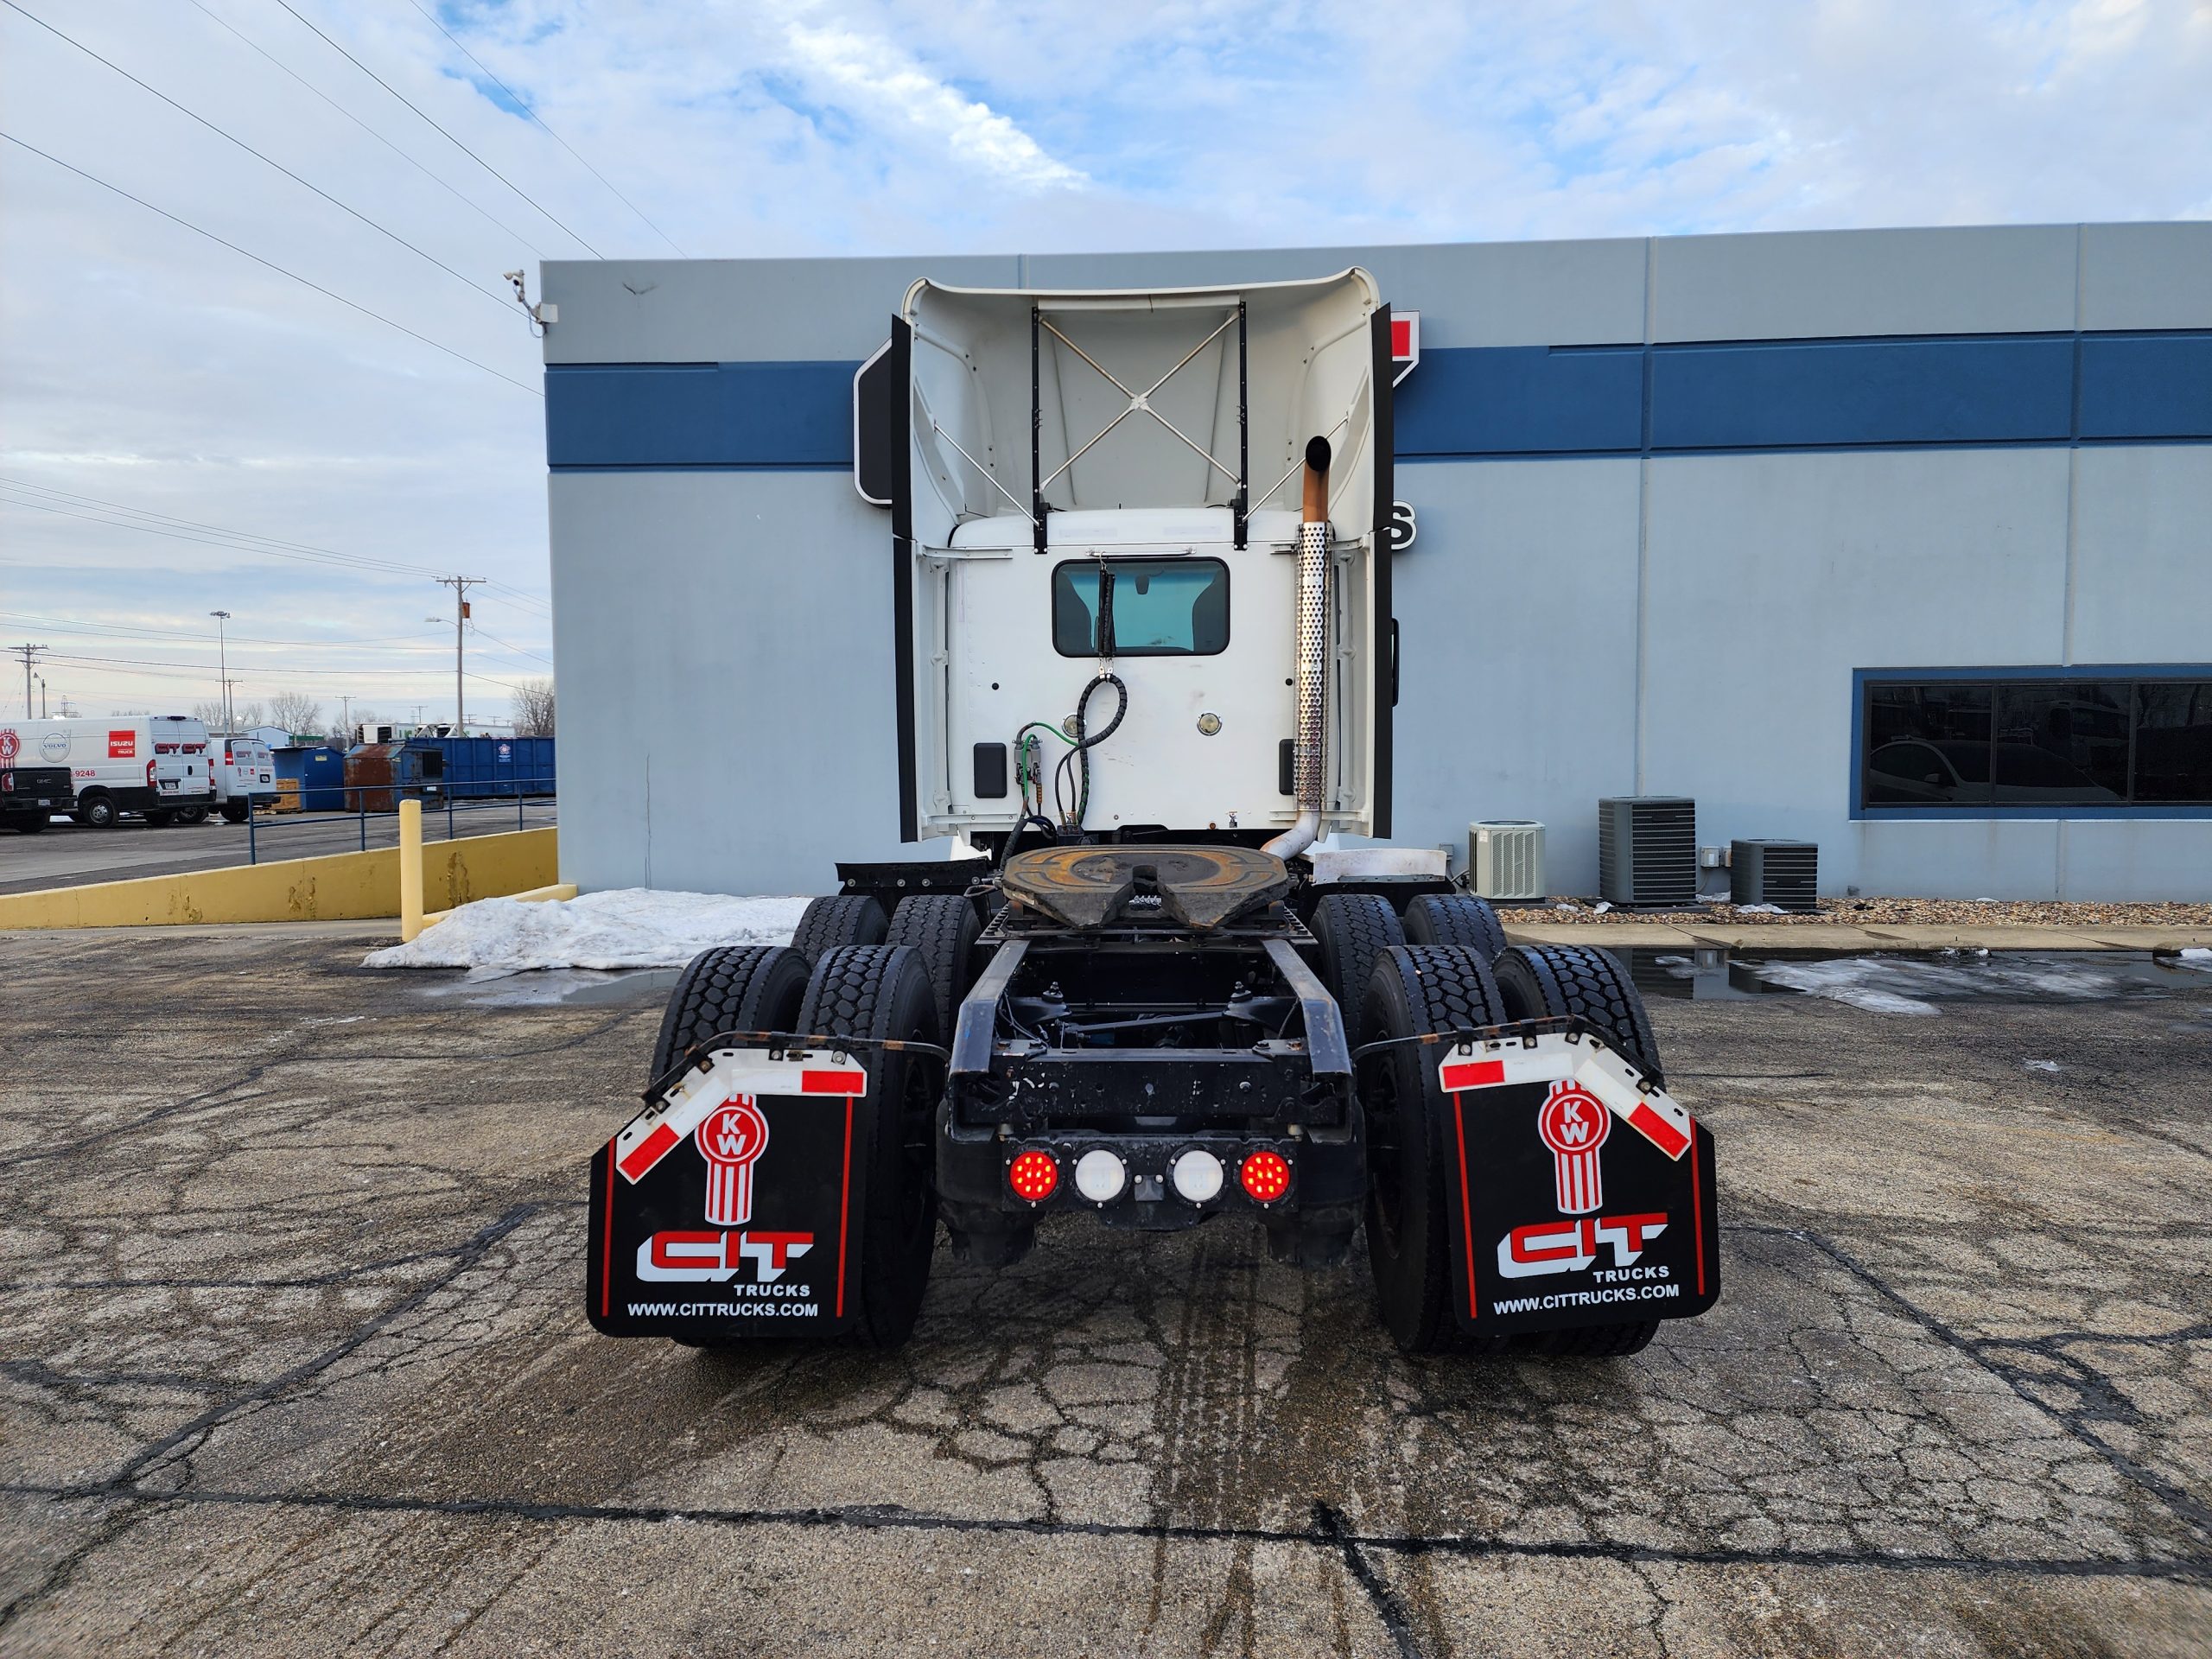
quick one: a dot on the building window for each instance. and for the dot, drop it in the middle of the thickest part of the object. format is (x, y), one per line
(1162, 607)
(2033, 741)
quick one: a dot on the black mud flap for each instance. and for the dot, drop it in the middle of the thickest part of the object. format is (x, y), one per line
(730, 1209)
(1579, 1193)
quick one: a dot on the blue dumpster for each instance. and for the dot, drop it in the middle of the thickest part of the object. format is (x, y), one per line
(320, 770)
(477, 768)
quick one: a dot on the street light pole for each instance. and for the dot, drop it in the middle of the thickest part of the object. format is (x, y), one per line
(461, 585)
(223, 660)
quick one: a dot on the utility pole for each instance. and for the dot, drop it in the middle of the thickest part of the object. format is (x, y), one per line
(42, 698)
(345, 718)
(30, 654)
(223, 663)
(461, 585)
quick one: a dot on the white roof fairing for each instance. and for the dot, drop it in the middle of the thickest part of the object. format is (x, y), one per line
(1168, 434)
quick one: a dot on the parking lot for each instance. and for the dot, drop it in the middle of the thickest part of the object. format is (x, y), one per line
(295, 1362)
(66, 854)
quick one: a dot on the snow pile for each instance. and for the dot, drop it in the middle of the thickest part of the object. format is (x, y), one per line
(627, 927)
(1894, 985)
(2196, 956)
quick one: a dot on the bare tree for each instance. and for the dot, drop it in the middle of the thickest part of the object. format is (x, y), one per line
(296, 711)
(209, 714)
(244, 716)
(533, 707)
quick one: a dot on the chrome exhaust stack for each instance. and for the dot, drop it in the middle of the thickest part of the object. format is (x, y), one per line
(1312, 656)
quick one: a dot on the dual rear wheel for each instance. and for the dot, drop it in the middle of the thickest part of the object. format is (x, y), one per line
(850, 972)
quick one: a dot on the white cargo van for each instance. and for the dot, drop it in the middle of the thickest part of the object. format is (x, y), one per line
(244, 769)
(154, 765)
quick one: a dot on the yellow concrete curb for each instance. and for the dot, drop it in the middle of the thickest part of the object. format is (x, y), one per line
(558, 891)
(338, 887)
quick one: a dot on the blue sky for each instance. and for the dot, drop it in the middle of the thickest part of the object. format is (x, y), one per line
(145, 371)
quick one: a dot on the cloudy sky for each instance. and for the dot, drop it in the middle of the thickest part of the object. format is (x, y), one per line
(187, 426)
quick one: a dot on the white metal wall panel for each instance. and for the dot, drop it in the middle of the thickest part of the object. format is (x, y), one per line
(2146, 276)
(1811, 284)
(2143, 555)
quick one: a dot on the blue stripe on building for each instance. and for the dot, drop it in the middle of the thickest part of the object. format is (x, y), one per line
(1484, 402)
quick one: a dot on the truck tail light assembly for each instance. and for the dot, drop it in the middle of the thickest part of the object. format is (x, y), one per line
(1034, 1175)
(1265, 1175)
(149, 775)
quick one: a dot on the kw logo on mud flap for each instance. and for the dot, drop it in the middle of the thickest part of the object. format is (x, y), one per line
(1573, 1123)
(704, 1257)
(1570, 1246)
(731, 1139)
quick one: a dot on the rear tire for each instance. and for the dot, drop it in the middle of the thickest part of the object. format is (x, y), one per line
(838, 920)
(1354, 930)
(32, 825)
(192, 814)
(96, 812)
(882, 992)
(160, 819)
(234, 811)
(730, 988)
(1458, 918)
(942, 928)
(1417, 991)
(1542, 981)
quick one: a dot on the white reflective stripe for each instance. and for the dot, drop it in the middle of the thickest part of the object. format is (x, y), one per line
(1556, 1057)
(739, 1072)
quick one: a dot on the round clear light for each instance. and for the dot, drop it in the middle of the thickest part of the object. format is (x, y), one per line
(1100, 1176)
(1197, 1176)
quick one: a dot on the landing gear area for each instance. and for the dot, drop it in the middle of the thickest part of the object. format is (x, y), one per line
(1161, 1037)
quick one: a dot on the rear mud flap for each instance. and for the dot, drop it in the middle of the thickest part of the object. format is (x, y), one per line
(1579, 1193)
(730, 1209)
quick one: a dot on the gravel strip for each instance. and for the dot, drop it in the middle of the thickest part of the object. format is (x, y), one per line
(1875, 913)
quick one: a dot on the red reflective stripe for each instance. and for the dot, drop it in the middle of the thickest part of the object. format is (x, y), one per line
(648, 1151)
(1472, 1074)
(832, 1082)
(607, 1239)
(1466, 1213)
(844, 1205)
(1656, 1129)
(1697, 1213)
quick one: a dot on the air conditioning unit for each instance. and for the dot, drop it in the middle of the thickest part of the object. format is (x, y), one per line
(1505, 860)
(1646, 851)
(1784, 873)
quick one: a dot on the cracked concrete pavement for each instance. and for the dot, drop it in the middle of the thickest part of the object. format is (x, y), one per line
(293, 1360)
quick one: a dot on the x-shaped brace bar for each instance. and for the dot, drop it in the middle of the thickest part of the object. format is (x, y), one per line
(1140, 401)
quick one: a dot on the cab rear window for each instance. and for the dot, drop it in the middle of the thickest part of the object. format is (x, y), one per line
(1161, 608)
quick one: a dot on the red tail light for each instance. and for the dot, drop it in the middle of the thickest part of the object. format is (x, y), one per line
(1266, 1175)
(1033, 1175)
(149, 775)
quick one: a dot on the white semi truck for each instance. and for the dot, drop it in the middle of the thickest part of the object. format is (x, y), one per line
(153, 766)
(1146, 662)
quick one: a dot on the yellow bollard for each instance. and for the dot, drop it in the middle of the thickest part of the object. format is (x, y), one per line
(410, 869)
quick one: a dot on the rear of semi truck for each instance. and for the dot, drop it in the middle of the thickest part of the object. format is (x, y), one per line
(1145, 664)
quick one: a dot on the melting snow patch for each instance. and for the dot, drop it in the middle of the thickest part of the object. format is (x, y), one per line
(2042, 1066)
(2196, 956)
(1893, 985)
(1758, 910)
(1848, 981)
(627, 927)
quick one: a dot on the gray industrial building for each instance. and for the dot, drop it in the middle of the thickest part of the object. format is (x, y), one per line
(1899, 541)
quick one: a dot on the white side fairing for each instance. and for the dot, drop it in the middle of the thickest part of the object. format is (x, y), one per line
(1182, 480)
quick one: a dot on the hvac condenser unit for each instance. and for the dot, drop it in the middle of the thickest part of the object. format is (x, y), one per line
(1784, 873)
(1506, 859)
(1647, 850)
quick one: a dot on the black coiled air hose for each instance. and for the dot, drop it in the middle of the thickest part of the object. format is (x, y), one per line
(1080, 756)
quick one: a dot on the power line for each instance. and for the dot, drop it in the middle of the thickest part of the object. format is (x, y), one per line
(200, 668)
(271, 264)
(207, 541)
(499, 300)
(364, 560)
(277, 547)
(482, 213)
(448, 137)
(132, 633)
(503, 645)
(524, 105)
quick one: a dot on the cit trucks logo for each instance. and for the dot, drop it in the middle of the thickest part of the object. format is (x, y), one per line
(1573, 1123)
(731, 1139)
